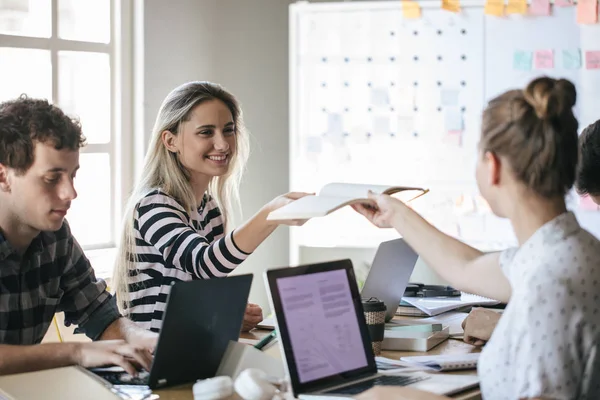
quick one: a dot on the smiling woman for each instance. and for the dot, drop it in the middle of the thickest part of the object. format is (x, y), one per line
(175, 226)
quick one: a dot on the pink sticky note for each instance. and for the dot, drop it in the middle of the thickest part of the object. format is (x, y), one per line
(539, 7)
(586, 203)
(453, 138)
(563, 3)
(543, 59)
(592, 59)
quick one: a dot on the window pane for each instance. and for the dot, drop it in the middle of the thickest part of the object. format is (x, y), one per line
(25, 71)
(85, 20)
(84, 91)
(91, 213)
(26, 18)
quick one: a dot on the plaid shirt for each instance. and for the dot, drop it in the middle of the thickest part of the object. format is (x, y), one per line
(52, 276)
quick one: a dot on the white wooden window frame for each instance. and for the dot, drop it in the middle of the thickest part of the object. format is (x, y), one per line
(119, 50)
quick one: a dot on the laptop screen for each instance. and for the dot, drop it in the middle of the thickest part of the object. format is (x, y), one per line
(321, 324)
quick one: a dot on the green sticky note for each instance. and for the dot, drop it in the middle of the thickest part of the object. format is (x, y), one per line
(522, 60)
(571, 58)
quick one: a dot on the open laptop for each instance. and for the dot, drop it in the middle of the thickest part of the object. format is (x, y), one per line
(390, 271)
(200, 319)
(324, 337)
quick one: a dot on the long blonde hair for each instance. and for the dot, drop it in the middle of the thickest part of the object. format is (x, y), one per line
(163, 170)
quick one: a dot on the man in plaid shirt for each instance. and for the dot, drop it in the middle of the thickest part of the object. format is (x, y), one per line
(42, 267)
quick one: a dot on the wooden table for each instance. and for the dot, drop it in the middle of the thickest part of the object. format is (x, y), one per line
(450, 346)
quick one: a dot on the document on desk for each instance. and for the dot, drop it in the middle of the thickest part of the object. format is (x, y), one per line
(437, 305)
(450, 362)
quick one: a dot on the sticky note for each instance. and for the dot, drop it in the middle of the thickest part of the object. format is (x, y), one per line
(586, 203)
(453, 119)
(544, 59)
(494, 7)
(539, 7)
(406, 125)
(381, 125)
(334, 124)
(516, 7)
(563, 3)
(587, 11)
(380, 97)
(522, 60)
(451, 5)
(449, 97)
(314, 144)
(454, 138)
(411, 9)
(571, 58)
(592, 59)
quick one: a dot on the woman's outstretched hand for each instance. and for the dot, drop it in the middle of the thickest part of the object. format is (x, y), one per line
(381, 211)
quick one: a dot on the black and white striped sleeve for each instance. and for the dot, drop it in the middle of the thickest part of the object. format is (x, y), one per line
(163, 223)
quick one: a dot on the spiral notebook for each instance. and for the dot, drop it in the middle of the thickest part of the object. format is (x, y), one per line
(451, 362)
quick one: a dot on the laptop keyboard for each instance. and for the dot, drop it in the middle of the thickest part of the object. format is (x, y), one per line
(123, 378)
(384, 380)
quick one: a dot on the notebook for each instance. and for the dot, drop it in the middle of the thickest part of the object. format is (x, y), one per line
(451, 362)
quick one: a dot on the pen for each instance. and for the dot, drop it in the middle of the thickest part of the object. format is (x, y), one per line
(266, 340)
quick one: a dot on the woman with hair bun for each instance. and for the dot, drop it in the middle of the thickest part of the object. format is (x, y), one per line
(547, 342)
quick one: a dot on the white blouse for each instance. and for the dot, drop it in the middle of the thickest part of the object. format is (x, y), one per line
(547, 343)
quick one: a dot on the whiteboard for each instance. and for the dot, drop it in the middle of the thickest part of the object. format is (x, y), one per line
(379, 99)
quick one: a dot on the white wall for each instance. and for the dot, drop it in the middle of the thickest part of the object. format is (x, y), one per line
(242, 45)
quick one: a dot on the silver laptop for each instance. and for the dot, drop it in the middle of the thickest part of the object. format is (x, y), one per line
(390, 271)
(324, 338)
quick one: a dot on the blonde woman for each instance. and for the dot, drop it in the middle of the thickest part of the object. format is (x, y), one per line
(175, 222)
(547, 342)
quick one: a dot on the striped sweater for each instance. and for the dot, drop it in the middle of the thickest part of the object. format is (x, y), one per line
(173, 245)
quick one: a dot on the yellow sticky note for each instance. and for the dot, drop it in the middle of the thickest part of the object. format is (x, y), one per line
(516, 7)
(411, 9)
(451, 5)
(587, 11)
(494, 7)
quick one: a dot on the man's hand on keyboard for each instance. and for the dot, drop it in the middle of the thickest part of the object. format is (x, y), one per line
(113, 352)
(398, 393)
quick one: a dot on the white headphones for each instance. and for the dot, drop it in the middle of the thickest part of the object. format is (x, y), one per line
(251, 384)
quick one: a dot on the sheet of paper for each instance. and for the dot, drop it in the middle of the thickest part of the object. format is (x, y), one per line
(516, 7)
(451, 5)
(544, 59)
(453, 138)
(592, 59)
(411, 9)
(571, 58)
(522, 60)
(494, 7)
(539, 7)
(587, 11)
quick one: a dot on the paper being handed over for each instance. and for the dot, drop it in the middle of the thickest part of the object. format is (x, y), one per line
(337, 195)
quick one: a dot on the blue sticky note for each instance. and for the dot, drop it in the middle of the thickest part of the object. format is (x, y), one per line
(453, 119)
(571, 58)
(335, 124)
(522, 60)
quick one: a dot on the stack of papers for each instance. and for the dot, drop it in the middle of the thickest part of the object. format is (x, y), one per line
(438, 305)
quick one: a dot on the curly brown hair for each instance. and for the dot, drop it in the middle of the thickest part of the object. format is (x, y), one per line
(588, 172)
(25, 122)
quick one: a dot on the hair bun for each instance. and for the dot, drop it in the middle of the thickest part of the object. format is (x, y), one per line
(550, 97)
